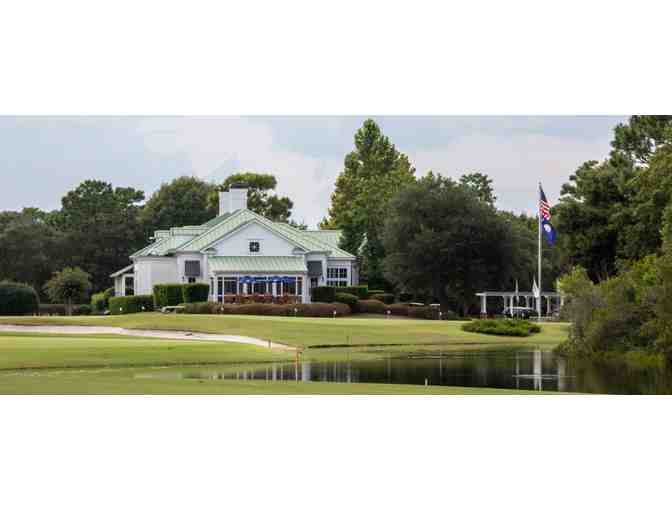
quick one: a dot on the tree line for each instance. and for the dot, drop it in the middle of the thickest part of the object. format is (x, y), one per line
(98, 226)
(615, 219)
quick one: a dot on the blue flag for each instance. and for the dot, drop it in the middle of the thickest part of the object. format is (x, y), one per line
(545, 215)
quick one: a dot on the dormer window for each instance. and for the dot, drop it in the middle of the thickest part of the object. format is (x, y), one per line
(255, 247)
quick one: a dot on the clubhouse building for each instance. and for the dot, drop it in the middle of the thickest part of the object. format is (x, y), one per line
(240, 252)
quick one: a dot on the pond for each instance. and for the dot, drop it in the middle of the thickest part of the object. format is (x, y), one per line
(523, 369)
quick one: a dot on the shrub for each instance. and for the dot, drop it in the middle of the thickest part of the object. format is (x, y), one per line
(17, 299)
(398, 309)
(52, 309)
(70, 285)
(82, 310)
(361, 291)
(195, 292)
(203, 307)
(131, 304)
(101, 300)
(386, 298)
(167, 294)
(424, 312)
(321, 309)
(349, 299)
(323, 294)
(505, 327)
(98, 302)
(370, 306)
(405, 297)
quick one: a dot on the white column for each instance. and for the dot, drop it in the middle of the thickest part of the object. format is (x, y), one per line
(484, 310)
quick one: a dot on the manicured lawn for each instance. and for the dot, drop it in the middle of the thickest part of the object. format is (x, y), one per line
(38, 363)
(310, 332)
(124, 382)
(29, 350)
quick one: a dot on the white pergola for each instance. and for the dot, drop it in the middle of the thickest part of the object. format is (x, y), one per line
(527, 297)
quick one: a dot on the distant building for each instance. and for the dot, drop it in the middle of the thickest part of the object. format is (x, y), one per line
(240, 252)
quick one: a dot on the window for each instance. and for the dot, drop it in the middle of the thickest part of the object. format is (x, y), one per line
(337, 277)
(255, 247)
(230, 285)
(220, 287)
(259, 287)
(128, 286)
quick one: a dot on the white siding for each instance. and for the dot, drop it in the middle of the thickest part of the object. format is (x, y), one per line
(238, 244)
(150, 271)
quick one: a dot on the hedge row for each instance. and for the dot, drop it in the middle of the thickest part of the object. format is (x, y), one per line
(172, 294)
(291, 310)
(17, 299)
(259, 298)
(61, 309)
(122, 305)
(505, 327)
(167, 294)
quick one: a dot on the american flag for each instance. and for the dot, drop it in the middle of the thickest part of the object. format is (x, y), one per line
(544, 206)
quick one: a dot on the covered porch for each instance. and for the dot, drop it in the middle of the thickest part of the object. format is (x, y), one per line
(246, 276)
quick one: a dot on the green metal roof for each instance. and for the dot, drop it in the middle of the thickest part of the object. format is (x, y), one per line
(199, 238)
(257, 264)
(332, 237)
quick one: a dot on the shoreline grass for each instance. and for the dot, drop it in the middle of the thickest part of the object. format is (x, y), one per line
(310, 332)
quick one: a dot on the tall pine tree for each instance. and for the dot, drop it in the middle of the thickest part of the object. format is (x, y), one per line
(373, 173)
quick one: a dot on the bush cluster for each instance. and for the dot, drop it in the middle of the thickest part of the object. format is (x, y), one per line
(361, 291)
(287, 310)
(101, 301)
(323, 294)
(371, 306)
(259, 298)
(17, 299)
(384, 297)
(121, 305)
(398, 309)
(167, 294)
(195, 292)
(349, 299)
(505, 327)
(61, 309)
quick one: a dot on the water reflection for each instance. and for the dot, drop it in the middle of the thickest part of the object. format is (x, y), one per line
(529, 370)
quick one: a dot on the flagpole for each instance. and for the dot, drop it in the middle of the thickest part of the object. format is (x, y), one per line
(539, 251)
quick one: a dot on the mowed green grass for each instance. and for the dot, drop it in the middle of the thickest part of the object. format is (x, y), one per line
(312, 332)
(30, 350)
(110, 364)
(127, 382)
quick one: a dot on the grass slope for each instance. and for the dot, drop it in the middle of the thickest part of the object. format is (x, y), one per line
(311, 332)
(28, 350)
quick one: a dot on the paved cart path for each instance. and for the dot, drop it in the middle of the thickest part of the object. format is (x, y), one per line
(144, 333)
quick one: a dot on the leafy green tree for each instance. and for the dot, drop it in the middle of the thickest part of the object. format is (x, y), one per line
(373, 173)
(259, 195)
(585, 215)
(30, 248)
(439, 235)
(69, 285)
(480, 184)
(639, 138)
(101, 228)
(183, 201)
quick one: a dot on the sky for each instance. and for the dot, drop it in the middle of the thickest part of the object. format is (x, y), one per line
(41, 158)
